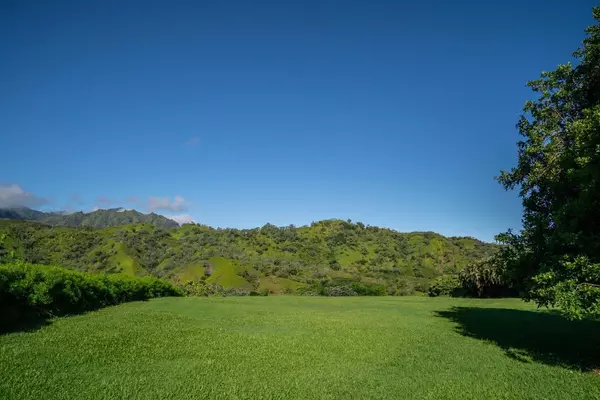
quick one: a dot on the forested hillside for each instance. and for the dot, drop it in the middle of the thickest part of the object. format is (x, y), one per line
(95, 219)
(273, 259)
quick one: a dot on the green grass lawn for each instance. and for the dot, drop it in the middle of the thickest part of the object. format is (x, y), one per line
(305, 348)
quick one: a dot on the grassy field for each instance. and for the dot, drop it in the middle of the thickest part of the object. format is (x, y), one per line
(305, 348)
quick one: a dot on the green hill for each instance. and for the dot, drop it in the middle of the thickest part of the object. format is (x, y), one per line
(277, 259)
(94, 219)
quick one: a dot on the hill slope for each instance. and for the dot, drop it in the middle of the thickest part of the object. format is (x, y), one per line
(94, 219)
(277, 259)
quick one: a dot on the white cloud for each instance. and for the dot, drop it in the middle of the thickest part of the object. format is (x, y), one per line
(96, 208)
(181, 219)
(163, 203)
(14, 196)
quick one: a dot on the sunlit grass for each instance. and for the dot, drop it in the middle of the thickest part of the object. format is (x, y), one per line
(295, 348)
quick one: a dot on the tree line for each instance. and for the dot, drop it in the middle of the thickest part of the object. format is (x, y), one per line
(323, 255)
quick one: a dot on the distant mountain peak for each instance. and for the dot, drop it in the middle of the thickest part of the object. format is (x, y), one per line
(100, 218)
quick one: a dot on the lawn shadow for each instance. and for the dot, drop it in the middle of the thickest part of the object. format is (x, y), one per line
(14, 319)
(532, 336)
(30, 323)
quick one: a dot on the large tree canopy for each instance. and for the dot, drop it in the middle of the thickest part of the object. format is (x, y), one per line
(556, 257)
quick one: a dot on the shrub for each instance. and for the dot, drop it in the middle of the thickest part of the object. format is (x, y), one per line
(203, 288)
(28, 289)
(445, 285)
(421, 287)
(369, 289)
(319, 274)
(345, 290)
(334, 265)
(406, 290)
(282, 273)
(235, 292)
(351, 289)
(200, 288)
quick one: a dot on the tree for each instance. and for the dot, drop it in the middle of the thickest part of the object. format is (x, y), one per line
(486, 278)
(555, 259)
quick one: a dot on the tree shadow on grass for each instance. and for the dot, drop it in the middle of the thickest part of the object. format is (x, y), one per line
(29, 323)
(532, 336)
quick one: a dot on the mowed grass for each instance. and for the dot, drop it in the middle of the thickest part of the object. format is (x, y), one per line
(304, 348)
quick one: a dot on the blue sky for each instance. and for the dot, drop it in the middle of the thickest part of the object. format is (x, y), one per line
(237, 113)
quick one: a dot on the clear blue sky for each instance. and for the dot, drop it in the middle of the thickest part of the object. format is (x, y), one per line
(397, 114)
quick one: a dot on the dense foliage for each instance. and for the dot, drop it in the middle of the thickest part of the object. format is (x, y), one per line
(94, 219)
(487, 278)
(556, 257)
(342, 287)
(445, 285)
(27, 289)
(199, 287)
(273, 259)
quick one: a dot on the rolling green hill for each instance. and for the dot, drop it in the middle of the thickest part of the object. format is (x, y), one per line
(95, 219)
(270, 258)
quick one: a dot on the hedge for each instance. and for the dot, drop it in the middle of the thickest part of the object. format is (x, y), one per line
(29, 289)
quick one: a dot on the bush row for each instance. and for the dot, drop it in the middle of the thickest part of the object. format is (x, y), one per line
(351, 289)
(29, 289)
(201, 288)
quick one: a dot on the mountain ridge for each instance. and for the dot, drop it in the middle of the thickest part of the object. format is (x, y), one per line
(101, 218)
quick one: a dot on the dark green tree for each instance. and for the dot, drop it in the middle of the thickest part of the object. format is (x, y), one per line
(555, 259)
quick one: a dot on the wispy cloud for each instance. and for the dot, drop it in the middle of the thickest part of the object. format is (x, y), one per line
(133, 199)
(193, 141)
(13, 195)
(181, 219)
(105, 200)
(163, 203)
(77, 199)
